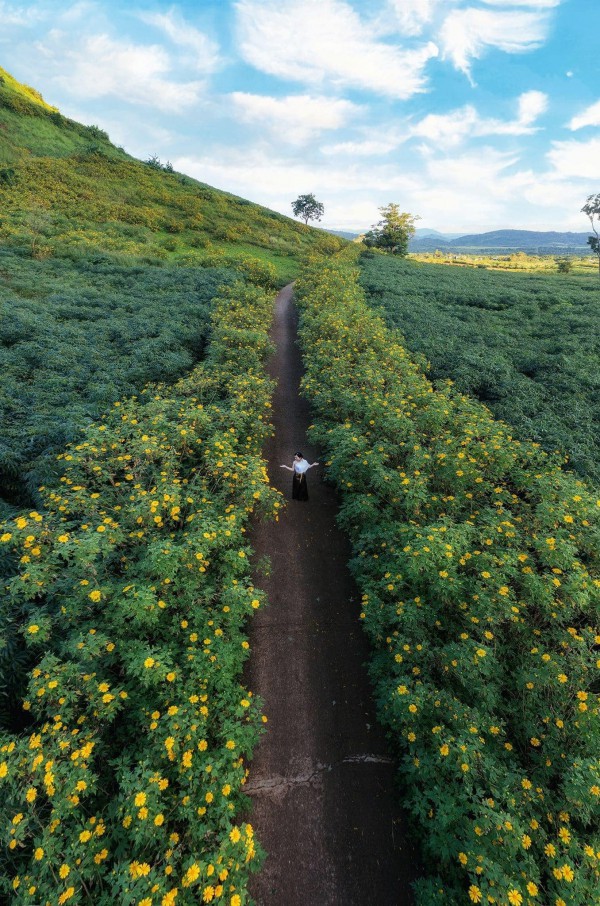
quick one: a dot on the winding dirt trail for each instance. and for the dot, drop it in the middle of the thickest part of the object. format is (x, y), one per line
(322, 781)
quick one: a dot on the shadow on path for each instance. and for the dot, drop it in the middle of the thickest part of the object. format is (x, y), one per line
(322, 782)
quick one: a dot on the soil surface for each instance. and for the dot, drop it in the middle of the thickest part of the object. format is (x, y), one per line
(325, 804)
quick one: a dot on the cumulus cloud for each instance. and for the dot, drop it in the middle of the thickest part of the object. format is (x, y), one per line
(467, 33)
(450, 129)
(575, 159)
(100, 66)
(204, 51)
(319, 41)
(588, 117)
(531, 105)
(296, 118)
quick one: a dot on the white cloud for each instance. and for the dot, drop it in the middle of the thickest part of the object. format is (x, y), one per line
(473, 168)
(531, 105)
(296, 118)
(530, 4)
(205, 51)
(447, 129)
(99, 66)
(78, 11)
(470, 192)
(576, 159)
(22, 16)
(467, 33)
(588, 117)
(450, 129)
(260, 174)
(410, 16)
(317, 41)
(366, 148)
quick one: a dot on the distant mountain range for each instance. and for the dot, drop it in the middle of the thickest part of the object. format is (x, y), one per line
(501, 241)
(496, 241)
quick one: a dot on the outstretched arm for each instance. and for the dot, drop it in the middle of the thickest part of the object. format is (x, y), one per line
(314, 464)
(289, 468)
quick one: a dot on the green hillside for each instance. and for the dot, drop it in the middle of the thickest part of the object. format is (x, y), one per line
(66, 187)
(108, 268)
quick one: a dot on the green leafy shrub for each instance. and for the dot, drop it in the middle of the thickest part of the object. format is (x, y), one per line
(478, 562)
(524, 344)
(134, 584)
(78, 333)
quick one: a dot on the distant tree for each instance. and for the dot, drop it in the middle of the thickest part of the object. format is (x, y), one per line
(393, 232)
(308, 208)
(39, 224)
(564, 265)
(154, 162)
(97, 132)
(592, 209)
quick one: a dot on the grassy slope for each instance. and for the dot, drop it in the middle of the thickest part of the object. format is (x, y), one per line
(64, 186)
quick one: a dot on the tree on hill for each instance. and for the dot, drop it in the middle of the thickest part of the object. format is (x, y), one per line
(393, 232)
(592, 209)
(308, 208)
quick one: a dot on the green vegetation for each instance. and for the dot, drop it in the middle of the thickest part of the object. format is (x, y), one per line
(131, 591)
(308, 208)
(478, 562)
(108, 266)
(592, 209)
(526, 345)
(393, 232)
(520, 262)
(75, 335)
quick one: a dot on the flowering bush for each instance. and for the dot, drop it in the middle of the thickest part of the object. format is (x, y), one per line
(134, 587)
(478, 562)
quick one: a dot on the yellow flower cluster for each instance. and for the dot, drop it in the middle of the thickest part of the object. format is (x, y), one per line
(138, 573)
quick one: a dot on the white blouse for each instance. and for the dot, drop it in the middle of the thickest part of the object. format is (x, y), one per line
(301, 467)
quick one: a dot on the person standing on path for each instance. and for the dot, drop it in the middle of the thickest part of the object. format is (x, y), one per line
(299, 467)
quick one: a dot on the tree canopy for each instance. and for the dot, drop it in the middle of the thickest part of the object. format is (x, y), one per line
(592, 209)
(308, 208)
(393, 232)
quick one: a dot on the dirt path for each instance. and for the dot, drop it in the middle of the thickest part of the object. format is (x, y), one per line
(322, 782)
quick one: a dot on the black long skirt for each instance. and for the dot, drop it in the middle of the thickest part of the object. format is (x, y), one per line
(299, 488)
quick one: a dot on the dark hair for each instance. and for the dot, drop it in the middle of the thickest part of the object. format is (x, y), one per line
(299, 454)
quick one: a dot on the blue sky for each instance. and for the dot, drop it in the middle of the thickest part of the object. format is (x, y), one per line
(473, 114)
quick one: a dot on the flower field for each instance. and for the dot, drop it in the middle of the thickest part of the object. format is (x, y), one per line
(477, 558)
(132, 588)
